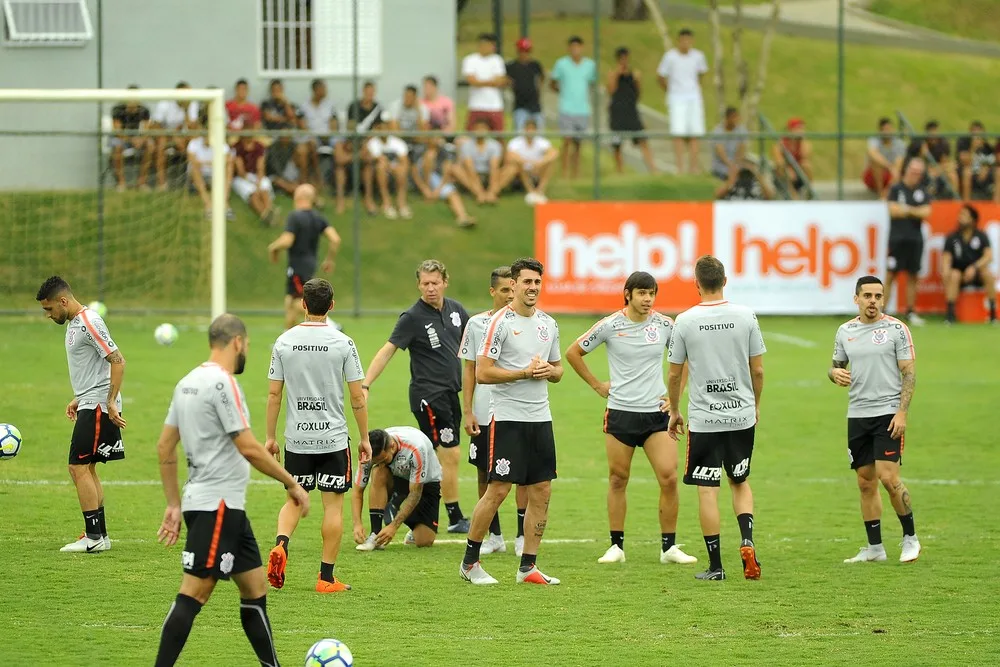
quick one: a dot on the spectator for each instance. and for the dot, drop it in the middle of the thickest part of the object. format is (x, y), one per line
(243, 114)
(526, 76)
(486, 75)
(936, 152)
(729, 148)
(478, 167)
(320, 118)
(976, 163)
(363, 111)
(799, 149)
(885, 159)
(250, 182)
(532, 156)
(439, 185)
(343, 158)
(572, 77)
(279, 165)
(408, 116)
(623, 110)
(199, 152)
(965, 262)
(389, 156)
(680, 73)
(748, 185)
(172, 115)
(441, 108)
(277, 112)
(131, 116)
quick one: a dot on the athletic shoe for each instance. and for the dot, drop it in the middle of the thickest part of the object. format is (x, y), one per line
(535, 576)
(461, 527)
(476, 575)
(87, 545)
(751, 566)
(519, 545)
(675, 555)
(276, 562)
(409, 538)
(911, 549)
(331, 586)
(916, 320)
(869, 554)
(369, 544)
(493, 544)
(614, 554)
(711, 575)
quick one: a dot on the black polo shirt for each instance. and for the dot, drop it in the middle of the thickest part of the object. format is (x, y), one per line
(907, 227)
(433, 338)
(965, 252)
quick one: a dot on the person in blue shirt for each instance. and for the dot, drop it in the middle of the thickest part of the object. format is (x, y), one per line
(572, 77)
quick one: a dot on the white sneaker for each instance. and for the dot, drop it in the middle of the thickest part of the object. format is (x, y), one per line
(911, 549)
(409, 539)
(531, 199)
(493, 544)
(536, 576)
(870, 554)
(519, 545)
(916, 320)
(476, 575)
(614, 554)
(369, 544)
(675, 555)
(87, 545)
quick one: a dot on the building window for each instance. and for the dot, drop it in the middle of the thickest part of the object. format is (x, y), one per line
(316, 37)
(46, 23)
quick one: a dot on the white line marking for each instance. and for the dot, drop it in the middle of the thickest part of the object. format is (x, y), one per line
(791, 340)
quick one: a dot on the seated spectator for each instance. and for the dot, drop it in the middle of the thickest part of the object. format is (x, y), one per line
(362, 112)
(884, 162)
(478, 168)
(343, 158)
(748, 185)
(199, 152)
(937, 154)
(572, 77)
(131, 116)
(439, 185)
(243, 114)
(623, 110)
(800, 149)
(440, 108)
(729, 148)
(280, 167)
(390, 158)
(532, 156)
(251, 183)
(526, 76)
(976, 164)
(172, 115)
(320, 118)
(276, 111)
(486, 74)
(965, 262)
(408, 116)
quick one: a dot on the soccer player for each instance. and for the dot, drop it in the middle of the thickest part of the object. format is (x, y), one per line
(403, 462)
(431, 329)
(723, 347)
(965, 260)
(479, 408)
(882, 375)
(637, 338)
(310, 364)
(303, 230)
(520, 355)
(209, 413)
(96, 370)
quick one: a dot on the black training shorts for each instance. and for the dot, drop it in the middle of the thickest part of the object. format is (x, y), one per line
(868, 441)
(293, 286)
(905, 255)
(440, 419)
(427, 510)
(219, 544)
(479, 448)
(709, 453)
(330, 471)
(522, 453)
(634, 428)
(96, 439)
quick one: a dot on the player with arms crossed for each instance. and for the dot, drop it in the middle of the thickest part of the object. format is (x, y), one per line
(479, 409)
(96, 370)
(303, 230)
(520, 355)
(882, 375)
(637, 413)
(723, 347)
(209, 414)
(402, 462)
(310, 364)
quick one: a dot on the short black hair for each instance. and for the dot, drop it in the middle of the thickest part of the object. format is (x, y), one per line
(710, 273)
(526, 264)
(182, 84)
(884, 120)
(241, 82)
(501, 272)
(368, 84)
(133, 86)
(973, 212)
(53, 287)
(575, 39)
(274, 82)
(317, 294)
(685, 32)
(977, 125)
(487, 37)
(224, 329)
(639, 280)
(731, 111)
(410, 88)
(431, 78)
(931, 125)
(530, 121)
(316, 83)
(621, 51)
(379, 440)
(866, 280)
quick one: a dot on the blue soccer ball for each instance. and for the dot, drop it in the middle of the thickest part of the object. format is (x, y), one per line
(10, 441)
(329, 653)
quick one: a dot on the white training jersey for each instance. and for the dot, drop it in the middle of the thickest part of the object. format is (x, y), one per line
(88, 344)
(475, 329)
(874, 351)
(415, 461)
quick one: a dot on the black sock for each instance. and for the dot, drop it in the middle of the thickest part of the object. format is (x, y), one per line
(375, 515)
(714, 552)
(495, 524)
(993, 309)
(326, 571)
(746, 526)
(256, 625)
(618, 538)
(874, 530)
(176, 628)
(527, 561)
(471, 552)
(282, 541)
(520, 522)
(906, 521)
(101, 525)
(667, 540)
(454, 512)
(92, 524)
(951, 311)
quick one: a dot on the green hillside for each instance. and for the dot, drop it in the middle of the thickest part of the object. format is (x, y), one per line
(975, 19)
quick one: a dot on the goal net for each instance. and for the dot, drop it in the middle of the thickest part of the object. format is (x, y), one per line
(96, 186)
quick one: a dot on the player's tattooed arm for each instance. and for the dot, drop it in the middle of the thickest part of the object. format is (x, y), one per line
(117, 362)
(908, 372)
(409, 504)
(839, 364)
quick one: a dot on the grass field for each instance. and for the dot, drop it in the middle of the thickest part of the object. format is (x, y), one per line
(409, 606)
(975, 19)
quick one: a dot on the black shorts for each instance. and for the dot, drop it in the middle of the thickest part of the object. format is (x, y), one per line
(479, 448)
(977, 281)
(521, 453)
(427, 510)
(440, 419)
(709, 453)
(868, 441)
(293, 286)
(634, 428)
(330, 471)
(905, 255)
(219, 543)
(96, 439)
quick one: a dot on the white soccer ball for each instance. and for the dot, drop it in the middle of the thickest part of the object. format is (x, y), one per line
(98, 307)
(165, 334)
(329, 653)
(10, 441)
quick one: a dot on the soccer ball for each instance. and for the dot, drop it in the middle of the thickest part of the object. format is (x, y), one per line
(165, 334)
(98, 307)
(329, 653)
(10, 442)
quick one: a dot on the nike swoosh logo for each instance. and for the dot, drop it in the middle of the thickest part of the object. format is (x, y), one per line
(92, 548)
(851, 340)
(516, 333)
(621, 334)
(82, 456)
(889, 453)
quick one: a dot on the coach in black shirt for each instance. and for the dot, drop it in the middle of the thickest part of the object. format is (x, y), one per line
(431, 329)
(965, 262)
(909, 205)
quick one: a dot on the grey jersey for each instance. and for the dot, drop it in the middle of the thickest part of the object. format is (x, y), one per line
(717, 339)
(209, 408)
(513, 340)
(873, 351)
(88, 344)
(635, 358)
(415, 461)
(314, 360)
(475, 329)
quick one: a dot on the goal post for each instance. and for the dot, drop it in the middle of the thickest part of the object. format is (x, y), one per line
(216, 129)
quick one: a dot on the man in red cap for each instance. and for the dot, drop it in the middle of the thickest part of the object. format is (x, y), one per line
(526, 76)
(799, 148)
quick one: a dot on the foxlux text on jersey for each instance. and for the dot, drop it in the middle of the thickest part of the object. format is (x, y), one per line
(317, 426)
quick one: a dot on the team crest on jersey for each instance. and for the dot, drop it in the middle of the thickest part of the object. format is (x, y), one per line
(226, 563)
(456, 319)
(72, 336)
(543, 333)
(447, 435)
(502, 467)
(880, 336)
(652, 333)
(472, 450)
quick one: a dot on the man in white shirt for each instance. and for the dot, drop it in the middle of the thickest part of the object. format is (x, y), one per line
(319, 117)
(199, 152)
(391, 157)
(171, 115)
(531, 157)
(680, 74)
(486, 74)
